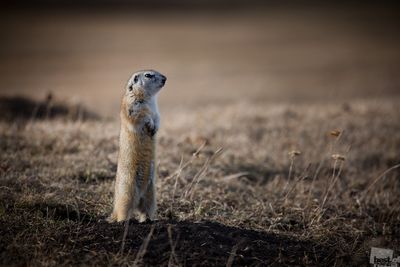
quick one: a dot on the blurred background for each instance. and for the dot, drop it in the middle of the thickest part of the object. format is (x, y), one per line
(213, 52)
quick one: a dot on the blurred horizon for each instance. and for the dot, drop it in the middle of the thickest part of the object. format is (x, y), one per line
(212, 52)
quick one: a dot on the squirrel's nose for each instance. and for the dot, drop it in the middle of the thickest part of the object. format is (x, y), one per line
(163, 79)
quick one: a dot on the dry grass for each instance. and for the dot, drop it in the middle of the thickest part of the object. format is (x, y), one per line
(233, 188)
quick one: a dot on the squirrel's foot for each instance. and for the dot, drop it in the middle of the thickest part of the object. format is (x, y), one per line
(111, 219)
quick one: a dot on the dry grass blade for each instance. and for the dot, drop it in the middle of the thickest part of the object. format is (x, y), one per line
(292, 188)
(126, 228)
(186, 164)
(232, 256)
(378, 179)
(173, 261)
(176, 184)
(197, 177)
(234, 176)
(332, 182)
(143, 248)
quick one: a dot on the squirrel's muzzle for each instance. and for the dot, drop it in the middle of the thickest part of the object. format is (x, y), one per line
(163, 79)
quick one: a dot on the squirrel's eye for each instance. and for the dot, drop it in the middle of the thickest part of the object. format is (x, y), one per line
(130, 87)
(148, 75)
(135, 79)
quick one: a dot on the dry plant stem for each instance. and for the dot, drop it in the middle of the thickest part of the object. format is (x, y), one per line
(184, 166)
(196, 179)
(178, 172)
(192, 186)
(234, 176)
(328, 188)
(340, 170)
(330, 153)
(290, 172)
(313, 181)
(377, 179)
(172, 257)
(334, 169)
(176, 183)
(232, 255)
(143, 249)
(331, 185)
(124, 236)
(320, 164)
(301, 177)
(292, 188)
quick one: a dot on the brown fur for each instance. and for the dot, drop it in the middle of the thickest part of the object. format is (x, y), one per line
(135, 181)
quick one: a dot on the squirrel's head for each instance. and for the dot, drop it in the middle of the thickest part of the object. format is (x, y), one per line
(147, 82)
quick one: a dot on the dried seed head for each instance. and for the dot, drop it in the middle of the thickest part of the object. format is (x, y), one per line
(294, 153)
(336, 133)
(338, 157)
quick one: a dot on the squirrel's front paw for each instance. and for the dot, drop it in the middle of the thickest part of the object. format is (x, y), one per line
(151, 128)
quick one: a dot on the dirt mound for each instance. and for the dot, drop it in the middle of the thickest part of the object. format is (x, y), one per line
(178, 243)
(22, 108)
(212, 244)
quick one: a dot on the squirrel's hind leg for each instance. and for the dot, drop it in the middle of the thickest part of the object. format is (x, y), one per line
(148, 204)
(124, 206)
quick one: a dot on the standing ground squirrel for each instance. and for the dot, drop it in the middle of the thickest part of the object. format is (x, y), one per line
(135, 190)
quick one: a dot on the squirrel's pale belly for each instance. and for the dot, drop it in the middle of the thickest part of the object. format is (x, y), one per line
(136, 161)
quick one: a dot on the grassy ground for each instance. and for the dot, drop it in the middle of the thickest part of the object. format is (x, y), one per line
(238, 185)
